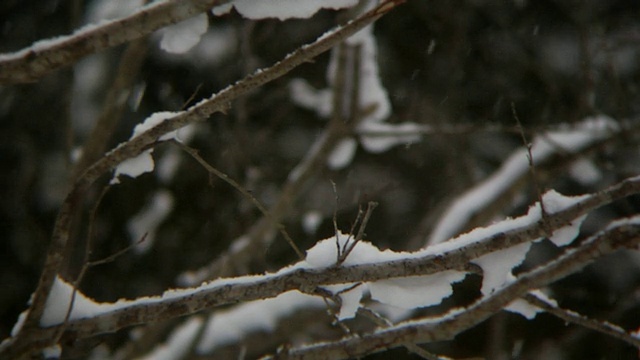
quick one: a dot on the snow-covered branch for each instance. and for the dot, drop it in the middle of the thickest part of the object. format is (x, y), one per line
(317, 271)
(156, 129)
(448, 325)
(44, 56)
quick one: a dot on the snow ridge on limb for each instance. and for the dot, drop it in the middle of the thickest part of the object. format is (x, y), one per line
(45, 56)
(570, 141)
(453, 322)
(453, 255)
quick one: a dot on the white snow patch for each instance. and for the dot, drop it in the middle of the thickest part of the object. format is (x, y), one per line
(149, 219)
(281, 9)
(407, 293)
(111, 9)
(377, 137)
(143, 163)
(342, 154)
(555, 202)
(181, 37)
(497, 266)
(585, 172)
(524, 308)
(57, 304)
(350, 302)
(311, 220)
(527, 310)
(415, 291)
(308, 97)
(228, 326)
(179, 342)
(18, 325)
(52, 352)
(570, 140)
(134, 167)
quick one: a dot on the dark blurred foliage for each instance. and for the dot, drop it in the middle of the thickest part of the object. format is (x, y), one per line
(443, 63)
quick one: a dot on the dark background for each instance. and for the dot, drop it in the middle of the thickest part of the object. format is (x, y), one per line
(444, 63)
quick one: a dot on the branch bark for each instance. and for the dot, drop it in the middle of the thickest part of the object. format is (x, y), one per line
(43, 57)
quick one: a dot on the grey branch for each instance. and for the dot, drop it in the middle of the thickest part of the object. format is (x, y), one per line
(43, 57)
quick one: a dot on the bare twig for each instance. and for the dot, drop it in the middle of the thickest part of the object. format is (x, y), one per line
(224, 177)
(349, 246)
(572, 317)
(532, 167)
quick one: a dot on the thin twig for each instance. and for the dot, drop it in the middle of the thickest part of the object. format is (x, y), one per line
(575, 318)
(363, 225)
(532, 167)
(224, 177)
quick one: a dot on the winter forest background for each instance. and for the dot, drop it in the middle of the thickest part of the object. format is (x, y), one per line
(520, 119)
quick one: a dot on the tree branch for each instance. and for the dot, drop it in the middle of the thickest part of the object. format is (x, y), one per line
(43, 57)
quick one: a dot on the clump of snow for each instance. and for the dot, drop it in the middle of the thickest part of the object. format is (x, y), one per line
(350, 302)
(134, 167)
(311, 220)
(526, 309)
(554, 202)
(281, 9)
(52, 352)
(143, 163)
(585, 172)
(58, 302)
(148, 220)
(377, 137)
(181, 37)
(111, 9)
(342, 154)
(228, 326)
(308, 97)
(415, 291)
(497, 266)
(18, 325)
(373, 104)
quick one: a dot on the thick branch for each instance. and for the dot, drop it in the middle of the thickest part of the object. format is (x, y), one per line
(458, 320)
(185, 302)
(43, 57)
(137, 145)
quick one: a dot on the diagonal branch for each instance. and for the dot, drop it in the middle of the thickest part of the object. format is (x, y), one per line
(135, 146)
(227, 291)
(572, 317)
(45, 56)
(452, 323)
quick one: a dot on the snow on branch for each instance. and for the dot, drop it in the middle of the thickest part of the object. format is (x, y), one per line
(448, 325)
(367, 264)
(160, 126)
(44, 56)
(566, 141)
